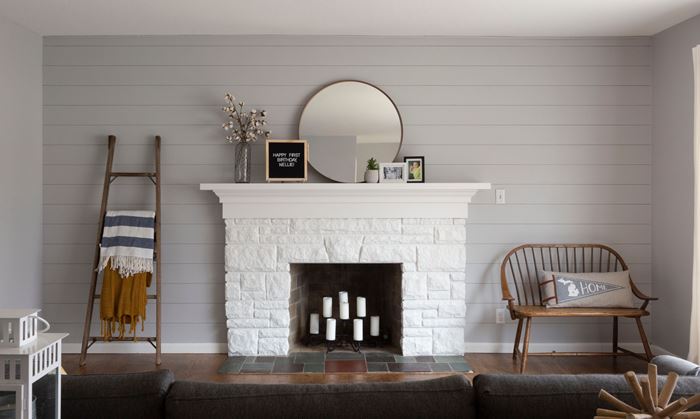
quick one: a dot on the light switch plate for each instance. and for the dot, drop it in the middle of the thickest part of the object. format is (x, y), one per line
(500, 196)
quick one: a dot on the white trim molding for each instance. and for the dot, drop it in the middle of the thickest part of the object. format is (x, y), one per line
(345, 200)
(146, 348)
(469, 347)
(507, 347)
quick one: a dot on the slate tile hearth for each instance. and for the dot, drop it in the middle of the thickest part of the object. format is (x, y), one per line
(342, 362)
(357, 365)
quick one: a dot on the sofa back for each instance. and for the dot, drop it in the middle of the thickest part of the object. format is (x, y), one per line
(557, 396)
(155, 395)
(106, 396)
(449, 397)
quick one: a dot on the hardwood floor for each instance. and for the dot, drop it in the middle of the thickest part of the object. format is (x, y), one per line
(203, 367)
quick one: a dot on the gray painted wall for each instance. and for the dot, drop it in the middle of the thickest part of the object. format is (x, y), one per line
(672, 177)
(564, 125)
(20, 166)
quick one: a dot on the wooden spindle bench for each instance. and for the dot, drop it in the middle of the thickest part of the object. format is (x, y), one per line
(521, 270)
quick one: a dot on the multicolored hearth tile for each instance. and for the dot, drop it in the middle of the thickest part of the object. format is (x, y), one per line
(314, 367)
(343, 362)
(377, 367)
(346, 366)
(408, 367)
(256, 368)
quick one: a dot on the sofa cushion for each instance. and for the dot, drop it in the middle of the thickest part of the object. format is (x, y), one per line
(668, 363)
(556, 396)
(118, 396)
(448, 397)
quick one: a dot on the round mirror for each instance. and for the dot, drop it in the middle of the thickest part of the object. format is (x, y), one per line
(346, 123)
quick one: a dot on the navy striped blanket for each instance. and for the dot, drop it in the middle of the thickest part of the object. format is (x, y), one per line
(127, 242)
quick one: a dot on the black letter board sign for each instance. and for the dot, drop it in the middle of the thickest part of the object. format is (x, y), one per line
(285, 160)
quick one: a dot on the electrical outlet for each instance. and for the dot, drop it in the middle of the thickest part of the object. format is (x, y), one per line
(500, 196)
(500, 316)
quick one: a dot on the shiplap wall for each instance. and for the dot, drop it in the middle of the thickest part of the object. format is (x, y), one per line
(673, 181)
(20, 167)
(562, 124)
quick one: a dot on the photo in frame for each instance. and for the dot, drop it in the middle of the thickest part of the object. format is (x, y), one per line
(416, 169)
(393, 172)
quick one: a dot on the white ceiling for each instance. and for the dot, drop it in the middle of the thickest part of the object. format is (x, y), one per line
(350, 17)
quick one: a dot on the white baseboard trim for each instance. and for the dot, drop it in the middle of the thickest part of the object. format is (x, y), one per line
(469, 347)
(503, 347)
(146, 348)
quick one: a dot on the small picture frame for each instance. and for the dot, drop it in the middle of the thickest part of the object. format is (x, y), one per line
(416, 169)
(393, 172)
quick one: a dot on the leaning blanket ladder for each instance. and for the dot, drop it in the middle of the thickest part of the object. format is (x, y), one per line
(111, 176)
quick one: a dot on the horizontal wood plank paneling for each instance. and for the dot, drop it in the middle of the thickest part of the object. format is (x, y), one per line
(563, 124)
(401, 95)
(356, 40)
(340, 55)
(412, 115)
(415, 134)
(218, 75)
(221, 154)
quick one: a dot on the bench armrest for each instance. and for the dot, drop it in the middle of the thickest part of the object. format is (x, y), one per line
(639, 294)
(505, 292)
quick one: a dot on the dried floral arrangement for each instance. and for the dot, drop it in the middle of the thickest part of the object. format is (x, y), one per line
(243, 126)
(653, 405)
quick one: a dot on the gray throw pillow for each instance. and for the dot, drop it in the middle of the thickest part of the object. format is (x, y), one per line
(590, 289)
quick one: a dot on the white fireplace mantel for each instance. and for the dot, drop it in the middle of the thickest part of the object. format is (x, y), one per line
(345, 200)
(269, 227)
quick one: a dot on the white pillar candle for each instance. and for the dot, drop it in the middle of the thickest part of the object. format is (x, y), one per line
(313, 323)
(330, 329)
(374, 326)
(357, 330)
(361, 307)
(327, 307)
(343, 297)
(344, 311)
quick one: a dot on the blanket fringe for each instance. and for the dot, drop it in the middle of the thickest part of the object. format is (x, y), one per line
(127, 265)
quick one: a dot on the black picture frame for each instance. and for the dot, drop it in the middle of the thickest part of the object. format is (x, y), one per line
(410, 160)
(286, 160)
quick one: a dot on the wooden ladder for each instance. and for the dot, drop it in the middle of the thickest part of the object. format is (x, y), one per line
(111, 176)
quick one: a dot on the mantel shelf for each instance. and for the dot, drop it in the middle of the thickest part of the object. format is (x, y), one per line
(345, 200)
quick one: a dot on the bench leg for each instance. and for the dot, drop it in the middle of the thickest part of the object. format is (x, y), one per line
(614, 342)
(518, 332)
(526, 344)
(643, 336)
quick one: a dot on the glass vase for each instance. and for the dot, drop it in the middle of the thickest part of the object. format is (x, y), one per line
(242, 164)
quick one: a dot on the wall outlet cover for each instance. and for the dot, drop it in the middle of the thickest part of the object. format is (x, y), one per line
(500, 316)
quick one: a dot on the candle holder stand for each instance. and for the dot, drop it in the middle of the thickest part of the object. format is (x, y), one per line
(343, 339)
(314, 340)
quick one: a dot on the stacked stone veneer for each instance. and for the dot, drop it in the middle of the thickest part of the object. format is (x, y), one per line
(259, 253)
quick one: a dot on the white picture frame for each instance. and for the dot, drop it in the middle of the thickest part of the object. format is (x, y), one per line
(393, 172)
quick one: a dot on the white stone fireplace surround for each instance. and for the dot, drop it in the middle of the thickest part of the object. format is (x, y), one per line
(420, 226)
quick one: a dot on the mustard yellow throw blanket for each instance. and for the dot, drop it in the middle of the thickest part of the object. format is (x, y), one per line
(122, 302)
(126, 257)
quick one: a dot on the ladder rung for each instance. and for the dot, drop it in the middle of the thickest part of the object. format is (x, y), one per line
(124, 339)
(133, 174)
(149, 296)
